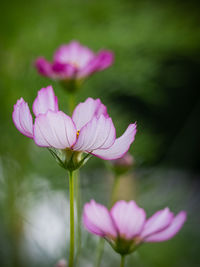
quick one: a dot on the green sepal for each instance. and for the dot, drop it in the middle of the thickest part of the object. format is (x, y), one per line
(123, 246)
(69, 159)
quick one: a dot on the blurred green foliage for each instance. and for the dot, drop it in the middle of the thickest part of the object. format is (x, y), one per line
(153, 81)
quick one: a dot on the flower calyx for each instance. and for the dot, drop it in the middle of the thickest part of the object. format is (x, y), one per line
(124, 246)
(69, 159)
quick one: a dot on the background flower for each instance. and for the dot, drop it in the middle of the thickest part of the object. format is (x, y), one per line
(74, 61)
(125, 226)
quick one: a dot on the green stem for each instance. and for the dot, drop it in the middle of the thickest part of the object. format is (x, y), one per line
(78, 210)
(71, 191)
(122, 261)
(71, 102)
(114, 188)
(100, 250)
(71, 105)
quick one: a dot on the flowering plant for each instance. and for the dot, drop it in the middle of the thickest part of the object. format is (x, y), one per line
(74, 62)
(90, 130)
(125, 226)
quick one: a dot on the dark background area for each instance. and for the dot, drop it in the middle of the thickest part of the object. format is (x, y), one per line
(154, 81)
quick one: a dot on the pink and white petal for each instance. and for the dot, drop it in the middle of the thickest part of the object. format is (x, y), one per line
(73, 53)
(86, 135)
(45, 100)
(159, 221)
(104, 136)
(97, 133)
(128, 218)
(44, 67)
(84, 57)
(100, 62)
(22, 118)
(85, 111)
(92, 228)
(54, 129)
(97, 220)
(62, 54)
(101, 109)
(80, 54)
(170, 231)
(67, 53)
(109, 135)
(120, 146)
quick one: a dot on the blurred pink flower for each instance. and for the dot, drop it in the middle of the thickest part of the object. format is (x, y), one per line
(74, 61)
(125, 226)
(89, 130)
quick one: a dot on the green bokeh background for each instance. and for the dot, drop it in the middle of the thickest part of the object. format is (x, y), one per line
(154, 81)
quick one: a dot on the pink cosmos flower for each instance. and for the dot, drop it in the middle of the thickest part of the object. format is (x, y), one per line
(125, 226)
(74, 61)
(89, 130)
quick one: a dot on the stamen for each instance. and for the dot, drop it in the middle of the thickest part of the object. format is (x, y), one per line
(77, 134)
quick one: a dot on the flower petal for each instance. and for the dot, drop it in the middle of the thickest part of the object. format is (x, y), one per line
(45, 100)
(44, 67)
(159, 221)
(22, 118)
(54, 129)
(97, 220)
(120, 146)
(100, 62)
(170, 231)
(97, 133)
(85, 111)
(64, 70)
(73, 53)
(128, 218)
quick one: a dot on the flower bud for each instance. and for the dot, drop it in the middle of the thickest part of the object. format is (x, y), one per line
(122, 165)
